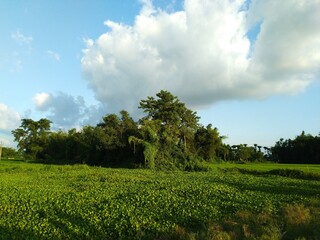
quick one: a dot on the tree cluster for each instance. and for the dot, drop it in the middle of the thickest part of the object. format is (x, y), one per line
(305, 148)
(9, 153)
(169, 136)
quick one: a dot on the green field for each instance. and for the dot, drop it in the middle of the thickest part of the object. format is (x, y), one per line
(309, 168)
(80, 202)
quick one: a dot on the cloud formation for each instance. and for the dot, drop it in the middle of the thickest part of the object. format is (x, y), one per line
(66, 111)
(203, 53)
(10, 120)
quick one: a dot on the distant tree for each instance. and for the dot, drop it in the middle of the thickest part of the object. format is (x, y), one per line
(31, 137)
(245, 153)
(209, 143)
(113, 134)
(305, 148)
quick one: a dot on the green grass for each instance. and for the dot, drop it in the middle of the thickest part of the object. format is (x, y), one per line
(80, 202)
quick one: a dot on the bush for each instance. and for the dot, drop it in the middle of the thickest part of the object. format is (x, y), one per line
(195, 164)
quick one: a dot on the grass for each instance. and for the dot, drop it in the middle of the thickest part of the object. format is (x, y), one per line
(80, 202)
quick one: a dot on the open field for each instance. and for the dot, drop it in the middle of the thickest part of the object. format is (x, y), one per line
(80, 202)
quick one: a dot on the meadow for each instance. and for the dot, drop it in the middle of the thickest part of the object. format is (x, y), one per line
(230, 201)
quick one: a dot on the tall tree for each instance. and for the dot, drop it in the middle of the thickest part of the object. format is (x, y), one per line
(173, 126)
(31, 137)
(177, 121)
(209, 143)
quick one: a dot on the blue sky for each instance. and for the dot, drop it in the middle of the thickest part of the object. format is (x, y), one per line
(251, 68)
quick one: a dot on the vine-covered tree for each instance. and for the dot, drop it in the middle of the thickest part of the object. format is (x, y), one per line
(173, 124)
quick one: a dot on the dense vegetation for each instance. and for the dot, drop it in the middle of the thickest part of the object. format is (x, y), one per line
(169, 136)
(304, 148)
(40, 201)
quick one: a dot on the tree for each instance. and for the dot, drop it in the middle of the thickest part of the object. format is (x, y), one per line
(149, 139)
(172, 124)
(113, 134)
(209, 143)
(177, 122)
(305, 148)
(8, 152)
(0, 150)
(31, 137)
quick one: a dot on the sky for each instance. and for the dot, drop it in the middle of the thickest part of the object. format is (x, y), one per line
(249, 67)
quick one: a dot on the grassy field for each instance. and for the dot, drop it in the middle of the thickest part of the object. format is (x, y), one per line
(80, 202)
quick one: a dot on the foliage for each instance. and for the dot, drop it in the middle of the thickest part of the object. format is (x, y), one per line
(9, 153)
(31, 137)
(209, 143)
(79, 202)
(172, 124)
(168, 137)
(245, 153)
(305, 148)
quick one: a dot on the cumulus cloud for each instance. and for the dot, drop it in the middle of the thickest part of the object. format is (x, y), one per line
(203, 53)
(10, 119)
(42, 101)
(66, 111)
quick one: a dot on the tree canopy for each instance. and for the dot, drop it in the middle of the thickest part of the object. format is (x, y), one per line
(31, 136)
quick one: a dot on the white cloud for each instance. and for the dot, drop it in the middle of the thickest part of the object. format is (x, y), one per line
(66, 111)
(42, 101)
(286, 54)
(203, 55)
(10, 119)
(53, 55)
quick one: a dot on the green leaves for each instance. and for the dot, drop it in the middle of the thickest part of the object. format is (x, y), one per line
(80, 202)
(169, 126)
(31, 136)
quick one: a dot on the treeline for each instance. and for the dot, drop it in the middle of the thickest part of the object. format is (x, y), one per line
(169, 136)
(305, 148)
(9, 153)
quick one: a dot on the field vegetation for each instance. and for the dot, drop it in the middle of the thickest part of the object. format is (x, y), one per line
(40, 201)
